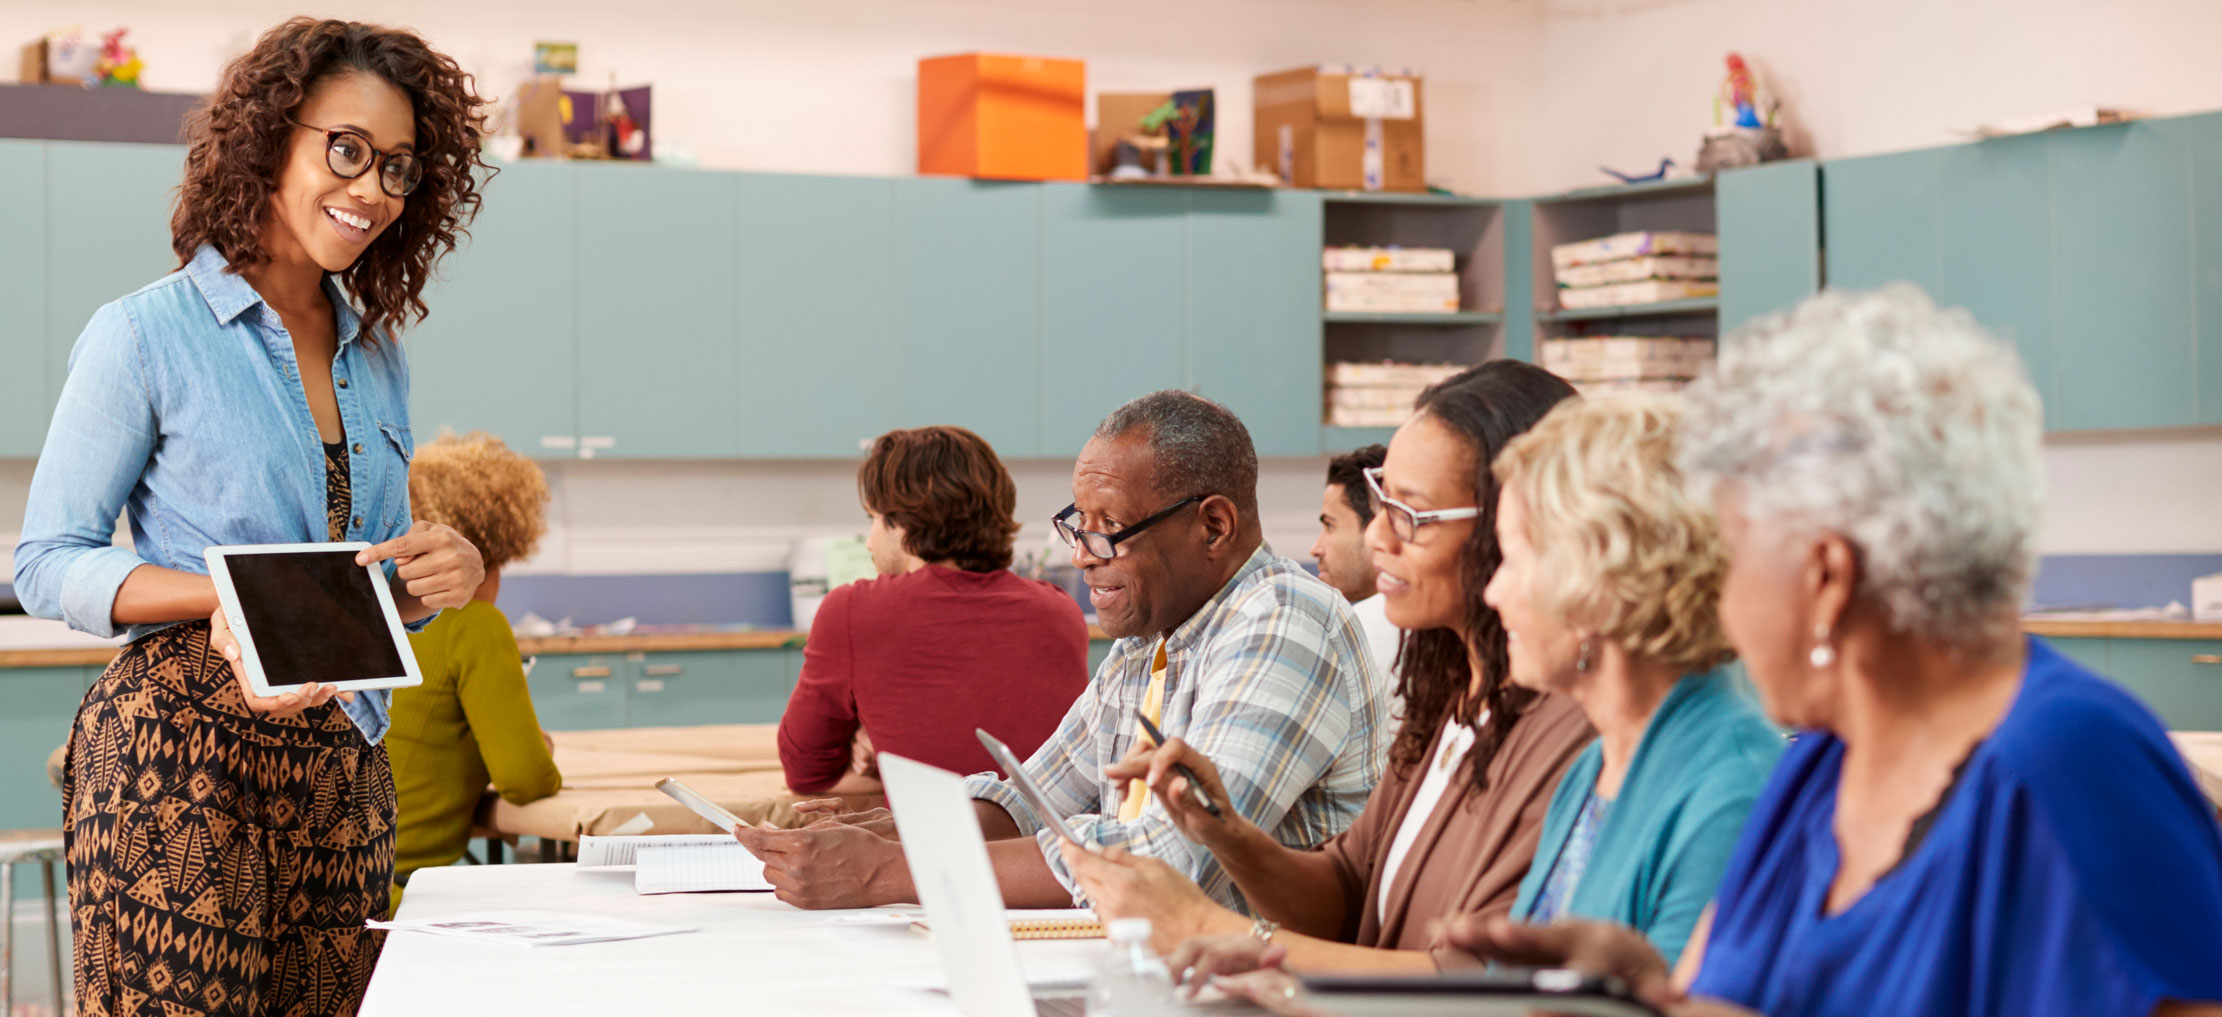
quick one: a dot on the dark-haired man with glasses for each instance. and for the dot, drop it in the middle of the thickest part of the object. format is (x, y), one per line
(1221, 643)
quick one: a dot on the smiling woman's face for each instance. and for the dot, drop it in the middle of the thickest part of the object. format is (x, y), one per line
(1421, 583)
(317, 215)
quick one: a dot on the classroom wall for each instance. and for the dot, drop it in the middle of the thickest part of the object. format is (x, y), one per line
(1525, 96)
(1624, 82)
(827, 86)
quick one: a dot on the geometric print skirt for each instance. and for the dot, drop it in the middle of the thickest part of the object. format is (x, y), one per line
(220, 862)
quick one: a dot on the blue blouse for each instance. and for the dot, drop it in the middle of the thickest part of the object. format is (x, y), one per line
(184, 411)
(2074, 870)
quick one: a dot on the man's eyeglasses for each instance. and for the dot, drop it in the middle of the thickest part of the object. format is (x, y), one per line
(1404, 520)
(1105, 545)
(350, 155)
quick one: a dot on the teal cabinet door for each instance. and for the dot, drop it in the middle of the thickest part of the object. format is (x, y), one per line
(495, 352)
(1112, 304)
(2122, 280)
(1994, 246)
(107, 232)
(968, 305)
(1098, 649)
(579, 693)
(726, 687)
(2091, 653)
(1879, 216)
(659, 366)
(1770, 238)
(26, 401)
(1253, 325)
(2206, 257)
(2180, 679)
(820, 368)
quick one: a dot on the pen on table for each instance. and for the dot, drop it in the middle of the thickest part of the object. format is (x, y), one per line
(1195, 786)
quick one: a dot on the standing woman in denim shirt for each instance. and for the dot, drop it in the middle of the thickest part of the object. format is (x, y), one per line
(225, 848)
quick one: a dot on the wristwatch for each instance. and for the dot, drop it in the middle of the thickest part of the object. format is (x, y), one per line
(1263, 929)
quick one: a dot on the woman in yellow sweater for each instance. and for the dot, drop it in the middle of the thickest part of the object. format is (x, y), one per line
(471, 723)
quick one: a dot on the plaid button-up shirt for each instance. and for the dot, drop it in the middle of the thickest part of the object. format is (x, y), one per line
(1270, 679)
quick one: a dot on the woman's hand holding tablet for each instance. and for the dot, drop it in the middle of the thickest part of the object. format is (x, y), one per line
(300, 623)
(438, 569)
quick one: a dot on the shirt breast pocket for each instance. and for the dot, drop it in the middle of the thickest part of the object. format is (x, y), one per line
(401, 449)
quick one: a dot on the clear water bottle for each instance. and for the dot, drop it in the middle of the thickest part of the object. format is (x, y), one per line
(1131, 981)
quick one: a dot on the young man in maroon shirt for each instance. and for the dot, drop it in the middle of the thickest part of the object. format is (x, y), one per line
(947, 639)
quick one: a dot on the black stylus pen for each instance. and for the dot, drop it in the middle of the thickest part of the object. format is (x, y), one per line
(1195, 787)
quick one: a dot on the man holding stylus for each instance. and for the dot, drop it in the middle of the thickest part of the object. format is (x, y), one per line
(1238, 652)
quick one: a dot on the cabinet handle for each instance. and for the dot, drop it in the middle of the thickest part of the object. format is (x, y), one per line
(648, 685)
(593, 688)
(590, 672)
(664, 670)
(2206, 658)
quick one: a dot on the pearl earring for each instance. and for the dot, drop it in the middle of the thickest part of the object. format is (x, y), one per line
(1824, 653)
(1581, 659)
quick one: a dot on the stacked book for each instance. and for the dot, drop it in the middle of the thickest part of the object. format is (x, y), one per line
(1646, 267)
(1627, 363)
(1399, 280)
(1381, 394)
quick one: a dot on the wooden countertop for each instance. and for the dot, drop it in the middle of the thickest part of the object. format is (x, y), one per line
(2092, 628)
(665, 642)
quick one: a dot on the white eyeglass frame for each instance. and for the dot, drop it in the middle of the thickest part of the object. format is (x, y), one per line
(1418, 517)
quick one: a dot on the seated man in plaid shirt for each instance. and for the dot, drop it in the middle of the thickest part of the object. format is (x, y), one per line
(1223, 644)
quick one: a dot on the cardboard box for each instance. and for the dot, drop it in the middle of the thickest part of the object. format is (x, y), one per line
(1003, 117)
(1341, 128)
(60, 58)
(1119, 114)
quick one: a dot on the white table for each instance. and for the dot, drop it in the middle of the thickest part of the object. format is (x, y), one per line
(754, 955)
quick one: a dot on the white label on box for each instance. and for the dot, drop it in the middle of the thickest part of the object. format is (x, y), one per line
(1382, 98)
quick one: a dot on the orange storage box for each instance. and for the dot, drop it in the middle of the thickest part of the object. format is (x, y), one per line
(1003, 117)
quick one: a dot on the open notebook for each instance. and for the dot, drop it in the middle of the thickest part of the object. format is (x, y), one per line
(678, 864)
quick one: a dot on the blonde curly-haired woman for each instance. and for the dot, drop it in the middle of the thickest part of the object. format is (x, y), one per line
(471, 723)
(1610, 595)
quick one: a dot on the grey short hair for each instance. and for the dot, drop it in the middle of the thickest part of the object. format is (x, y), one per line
(1198, 446)
(1909, 430)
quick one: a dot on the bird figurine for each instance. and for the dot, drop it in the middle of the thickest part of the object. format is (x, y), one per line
(1665, 163)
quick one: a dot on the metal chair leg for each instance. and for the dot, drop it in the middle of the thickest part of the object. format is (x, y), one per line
(7, 938)
(53, 938)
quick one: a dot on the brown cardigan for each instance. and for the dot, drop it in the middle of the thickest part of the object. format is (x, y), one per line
(1475, 849)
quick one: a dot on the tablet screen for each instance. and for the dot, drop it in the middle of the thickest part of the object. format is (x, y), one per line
(315, 617)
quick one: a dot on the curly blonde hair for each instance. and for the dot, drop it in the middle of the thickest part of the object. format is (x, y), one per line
(1621, 547)
(494, 497)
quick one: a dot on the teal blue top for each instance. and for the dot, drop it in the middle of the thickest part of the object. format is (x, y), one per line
(1660, 851)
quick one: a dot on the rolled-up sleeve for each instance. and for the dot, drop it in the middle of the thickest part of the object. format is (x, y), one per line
(102, 436)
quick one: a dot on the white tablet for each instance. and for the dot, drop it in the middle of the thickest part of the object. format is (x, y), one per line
(307, 613)
(1030, 791)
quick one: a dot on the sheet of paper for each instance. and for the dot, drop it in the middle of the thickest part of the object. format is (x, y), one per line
(698, 868)
(532, 928)
(607, 852)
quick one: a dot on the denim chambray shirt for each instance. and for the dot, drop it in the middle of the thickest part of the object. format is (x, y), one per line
(184, 410)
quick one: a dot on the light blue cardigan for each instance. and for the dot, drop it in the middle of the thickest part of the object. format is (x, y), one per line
(1665, 842)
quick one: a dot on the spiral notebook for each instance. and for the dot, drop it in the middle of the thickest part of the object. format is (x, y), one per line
(1055, 923)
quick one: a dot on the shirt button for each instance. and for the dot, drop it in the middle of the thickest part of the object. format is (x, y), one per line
(342, 383)
(358, 448)
(358, 522)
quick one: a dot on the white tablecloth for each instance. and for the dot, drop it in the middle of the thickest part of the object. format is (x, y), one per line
(753, 956)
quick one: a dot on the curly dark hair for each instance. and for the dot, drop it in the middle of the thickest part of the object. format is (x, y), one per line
(239, 138)
(1486, 407)
(945, 487)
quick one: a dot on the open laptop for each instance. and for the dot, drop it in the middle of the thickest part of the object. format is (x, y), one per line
(956, 884)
